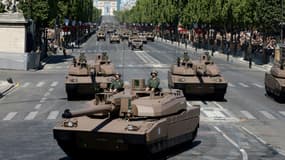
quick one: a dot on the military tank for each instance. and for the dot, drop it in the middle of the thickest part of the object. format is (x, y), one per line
(275, 81)
(134, 120)
(84, 79)
(101, 35)
(197, 79)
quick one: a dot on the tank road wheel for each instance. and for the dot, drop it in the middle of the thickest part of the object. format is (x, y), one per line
(220, 97)
(268, 91)
(69, 149)
(70, 92)
(70, 96)
(194, 134)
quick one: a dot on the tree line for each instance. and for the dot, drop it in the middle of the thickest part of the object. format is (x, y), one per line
(49, 12)
(227, 15)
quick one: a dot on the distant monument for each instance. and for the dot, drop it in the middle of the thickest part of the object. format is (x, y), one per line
(13, 37)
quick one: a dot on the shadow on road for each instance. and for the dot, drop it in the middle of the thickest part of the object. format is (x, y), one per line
(169, 153)
(58, 59)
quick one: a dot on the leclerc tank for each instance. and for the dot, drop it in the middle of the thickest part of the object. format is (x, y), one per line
(275, 81)
(199, 79)
(84, 79)
(134, 120)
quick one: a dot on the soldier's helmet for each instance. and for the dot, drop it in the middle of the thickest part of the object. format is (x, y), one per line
(153, 72)
(118, 74)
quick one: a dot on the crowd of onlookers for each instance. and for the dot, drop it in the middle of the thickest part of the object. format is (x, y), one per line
(238, 43)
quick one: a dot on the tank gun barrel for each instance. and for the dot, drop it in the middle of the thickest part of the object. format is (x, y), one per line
(88, 111)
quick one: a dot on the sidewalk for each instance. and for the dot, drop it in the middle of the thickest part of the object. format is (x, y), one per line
(232, 59)
(5, 87)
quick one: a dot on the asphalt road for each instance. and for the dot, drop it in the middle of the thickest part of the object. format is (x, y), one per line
(247, 125)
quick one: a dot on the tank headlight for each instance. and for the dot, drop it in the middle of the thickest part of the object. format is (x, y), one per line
(219, 80)
(70, 123)
(131, 127)
(182, 79)
(73, 80)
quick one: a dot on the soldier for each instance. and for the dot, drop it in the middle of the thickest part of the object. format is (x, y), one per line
(185, 57)
(105, 56)
(153, 82)
(117, 84)
(82, 58)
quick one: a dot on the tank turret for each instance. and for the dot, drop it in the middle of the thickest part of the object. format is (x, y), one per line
(275, 80)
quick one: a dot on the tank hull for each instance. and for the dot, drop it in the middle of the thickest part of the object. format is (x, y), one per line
(78, 90)
(82, 87)
(275, 87)
(163, 134)
(199, 87)
(198, 90)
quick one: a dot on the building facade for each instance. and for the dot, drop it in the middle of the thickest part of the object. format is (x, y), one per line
(107, 7)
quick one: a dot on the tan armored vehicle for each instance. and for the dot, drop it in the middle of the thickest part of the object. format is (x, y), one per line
(125, 35)
(137, 43)
(275, 81)
(134, 35)
(197, 79)
(115, 38)
(85, 79)
(134, 120)
(101, 35)
(149, 36)
(143, 37)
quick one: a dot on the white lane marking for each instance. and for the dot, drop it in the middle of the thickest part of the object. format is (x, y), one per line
(38, 106)
(252, 134)
(225, 111)
(258, 85)
(282, 112)
(53, 115)
(58, 67)
(150, 58)
(140, 56)
(55, 83)
(243, 85)
(26, 84)
(43, 99)
(51, 89)
(280, 151)
(247, 115)
(231, 85)
(46, 94)
(40, 84)
(243, 152)
(267, 114)
(214, 114)
(10, 116)
(31, 115)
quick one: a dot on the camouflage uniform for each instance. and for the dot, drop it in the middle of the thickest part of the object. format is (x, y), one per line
(105, 56)
(117, 84)
(82, 58)
(153, 83)
(185, 57)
